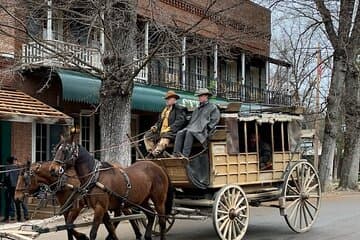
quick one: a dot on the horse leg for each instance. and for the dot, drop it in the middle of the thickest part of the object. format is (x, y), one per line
(134, 224)
(109, 226)
(68, 231)
(70, 217)
(151, 217)
(99, 213)
(160, 209)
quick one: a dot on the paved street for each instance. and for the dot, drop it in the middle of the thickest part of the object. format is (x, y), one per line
(339, 219)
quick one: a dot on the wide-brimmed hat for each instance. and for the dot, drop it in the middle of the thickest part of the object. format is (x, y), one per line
(203, 91)
(171, 94)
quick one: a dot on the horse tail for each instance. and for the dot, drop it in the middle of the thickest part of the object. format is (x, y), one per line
(169, 197)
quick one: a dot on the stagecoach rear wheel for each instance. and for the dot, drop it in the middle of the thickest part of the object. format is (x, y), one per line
(231, 213)
(301, 196)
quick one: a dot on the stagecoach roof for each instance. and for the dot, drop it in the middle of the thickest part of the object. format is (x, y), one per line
(266, 117)
(17, 106)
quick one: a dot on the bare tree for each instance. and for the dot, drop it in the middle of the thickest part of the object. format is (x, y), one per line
(339, 21)
(123, 57)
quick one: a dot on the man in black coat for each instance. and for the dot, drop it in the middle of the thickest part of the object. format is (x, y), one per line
(171, 120)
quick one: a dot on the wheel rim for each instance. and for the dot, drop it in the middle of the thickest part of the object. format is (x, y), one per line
(302, 196)
(231, 213)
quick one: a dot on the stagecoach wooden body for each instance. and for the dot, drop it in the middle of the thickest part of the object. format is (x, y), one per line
(236, 179)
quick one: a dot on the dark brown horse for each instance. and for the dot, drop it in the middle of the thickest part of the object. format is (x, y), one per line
(30, 181)
(122, 187)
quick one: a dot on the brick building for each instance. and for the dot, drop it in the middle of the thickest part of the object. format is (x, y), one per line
(235, 66)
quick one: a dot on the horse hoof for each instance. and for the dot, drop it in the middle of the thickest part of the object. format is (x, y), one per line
(82, 237)
(109, 238)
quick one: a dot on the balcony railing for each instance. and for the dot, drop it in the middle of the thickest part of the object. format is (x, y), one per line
(58, 53)
(243, 93)
(234, 91)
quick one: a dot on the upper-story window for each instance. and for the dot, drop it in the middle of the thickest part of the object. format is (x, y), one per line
(173, 70)
(200, 72)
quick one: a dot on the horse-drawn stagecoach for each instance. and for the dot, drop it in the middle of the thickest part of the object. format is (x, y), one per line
(222, 180)
(249, 160)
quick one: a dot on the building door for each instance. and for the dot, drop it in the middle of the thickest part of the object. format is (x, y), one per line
(5, 152)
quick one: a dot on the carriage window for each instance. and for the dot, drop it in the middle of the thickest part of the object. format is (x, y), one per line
(245, 131)
(281, 137)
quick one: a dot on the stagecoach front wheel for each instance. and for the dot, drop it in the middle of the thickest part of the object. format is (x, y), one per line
(231, 213)
(300, 201)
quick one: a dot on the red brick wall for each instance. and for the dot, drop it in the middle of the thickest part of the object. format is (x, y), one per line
(21, 141)
(255, 21)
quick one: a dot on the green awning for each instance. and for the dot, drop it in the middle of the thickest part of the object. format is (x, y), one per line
(82, 87)
(79, 87)
(151, 98)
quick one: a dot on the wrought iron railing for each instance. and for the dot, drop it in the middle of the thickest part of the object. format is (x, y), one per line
(234, 91)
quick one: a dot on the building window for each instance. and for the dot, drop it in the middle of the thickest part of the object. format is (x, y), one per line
(172, 76)
(85, 132)
(200, 72)
(41, 142)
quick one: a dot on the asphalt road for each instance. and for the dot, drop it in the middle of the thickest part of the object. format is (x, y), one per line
(339, 218)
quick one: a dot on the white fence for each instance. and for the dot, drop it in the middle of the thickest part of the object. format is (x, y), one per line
(53, 52)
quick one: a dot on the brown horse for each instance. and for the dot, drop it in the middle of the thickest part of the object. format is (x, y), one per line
(38, 174)
(121, 187)
(30, 181)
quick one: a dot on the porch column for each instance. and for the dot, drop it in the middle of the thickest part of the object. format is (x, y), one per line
(146, 50)
(183, 64)
(33, 142)
(243, 69)
(267, 74)
(102, 35)
(216, 68)
(49, 21)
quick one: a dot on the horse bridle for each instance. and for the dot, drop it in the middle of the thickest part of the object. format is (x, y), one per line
(27, 174)
(71, 153)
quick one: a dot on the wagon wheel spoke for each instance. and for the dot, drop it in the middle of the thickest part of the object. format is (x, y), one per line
(311, 204)
(294, 190)
(295, 181)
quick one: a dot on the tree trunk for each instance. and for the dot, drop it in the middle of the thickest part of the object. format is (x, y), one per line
(331, 120)
(350, 168)
(115, 118)
(115, 113)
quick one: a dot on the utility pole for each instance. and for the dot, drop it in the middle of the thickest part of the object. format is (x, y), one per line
(317, 109)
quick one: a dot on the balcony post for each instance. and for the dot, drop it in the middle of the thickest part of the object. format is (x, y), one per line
(243, 69)
(146, 50)
(216, 68)
(267, 74)
(49, 21)
(102, 35)
(183, 64)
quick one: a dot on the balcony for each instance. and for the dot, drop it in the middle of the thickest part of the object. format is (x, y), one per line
(62, 54)
(233, 91)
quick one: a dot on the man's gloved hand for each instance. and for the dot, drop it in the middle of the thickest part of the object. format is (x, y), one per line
(153, 129)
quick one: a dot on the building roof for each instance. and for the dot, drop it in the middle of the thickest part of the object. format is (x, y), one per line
(17, 106)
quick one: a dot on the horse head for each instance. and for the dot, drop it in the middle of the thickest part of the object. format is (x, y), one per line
(27, 181)
(67, 151)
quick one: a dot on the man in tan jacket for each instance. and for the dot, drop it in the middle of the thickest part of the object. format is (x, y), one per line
(171, 120)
